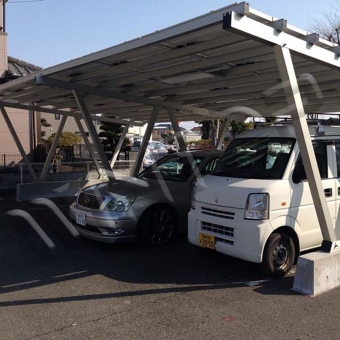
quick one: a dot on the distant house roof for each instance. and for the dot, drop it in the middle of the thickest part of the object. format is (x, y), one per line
(18, 68)
(196, 129)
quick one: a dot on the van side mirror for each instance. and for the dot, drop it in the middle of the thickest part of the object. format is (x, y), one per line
(299, 173)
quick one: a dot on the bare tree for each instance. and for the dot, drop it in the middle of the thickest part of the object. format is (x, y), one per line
(329, 25)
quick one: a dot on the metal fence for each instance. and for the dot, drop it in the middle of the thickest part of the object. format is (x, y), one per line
(7, 159)
(17, 173)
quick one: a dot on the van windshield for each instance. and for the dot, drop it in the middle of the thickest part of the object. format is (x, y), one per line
(258, 158)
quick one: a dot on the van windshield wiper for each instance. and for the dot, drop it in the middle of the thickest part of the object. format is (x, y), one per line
(224, 173)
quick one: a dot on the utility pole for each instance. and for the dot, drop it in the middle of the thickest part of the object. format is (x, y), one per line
(3, 16)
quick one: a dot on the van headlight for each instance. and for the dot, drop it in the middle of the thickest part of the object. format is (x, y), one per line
(257, 207)
(193, 197)
(120, 204)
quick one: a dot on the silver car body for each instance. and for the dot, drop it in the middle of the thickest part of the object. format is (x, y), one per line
(157, 185)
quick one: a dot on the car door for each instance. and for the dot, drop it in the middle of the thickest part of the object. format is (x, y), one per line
(183, 192)
(302, 206)
(337, 186)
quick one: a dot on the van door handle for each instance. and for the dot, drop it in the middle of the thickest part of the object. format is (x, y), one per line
(328, 192)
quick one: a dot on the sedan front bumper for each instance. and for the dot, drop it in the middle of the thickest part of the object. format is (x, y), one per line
(103, 226)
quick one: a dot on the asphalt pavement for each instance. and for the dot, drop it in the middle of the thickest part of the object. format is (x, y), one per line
(82, 289)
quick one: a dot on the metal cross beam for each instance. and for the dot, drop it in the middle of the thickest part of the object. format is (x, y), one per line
(118, 95)
(268, 35)
(38, 109)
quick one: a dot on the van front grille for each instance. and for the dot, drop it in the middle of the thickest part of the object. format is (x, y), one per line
(218, 229)
(219, 239)
(218, 213)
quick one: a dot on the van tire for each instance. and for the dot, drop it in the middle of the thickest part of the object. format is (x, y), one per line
(278, 256)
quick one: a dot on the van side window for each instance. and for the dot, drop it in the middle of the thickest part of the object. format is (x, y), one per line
(320, 150)
(337, 151)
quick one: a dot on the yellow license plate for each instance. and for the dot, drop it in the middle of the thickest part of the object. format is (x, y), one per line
(206, 241)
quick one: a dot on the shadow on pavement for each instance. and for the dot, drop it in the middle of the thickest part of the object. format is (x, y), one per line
(179, 263)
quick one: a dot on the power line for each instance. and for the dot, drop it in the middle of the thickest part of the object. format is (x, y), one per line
(20, 2)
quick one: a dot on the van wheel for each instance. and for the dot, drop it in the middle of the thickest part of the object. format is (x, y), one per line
(279, 255)
(157, 226)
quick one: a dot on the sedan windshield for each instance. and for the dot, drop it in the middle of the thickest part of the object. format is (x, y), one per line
(258, 158)
(172, 168)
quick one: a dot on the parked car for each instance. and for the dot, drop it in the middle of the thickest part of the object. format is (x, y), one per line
(148, 159)
(257, 204)
(157, 147)
(150, 208)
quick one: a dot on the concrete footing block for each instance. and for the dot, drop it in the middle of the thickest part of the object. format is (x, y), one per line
(317, 273)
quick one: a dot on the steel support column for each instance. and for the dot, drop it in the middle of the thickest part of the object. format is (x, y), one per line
(53, 148)
(18, 143)
(296, 110)
(222, 134)
(178, 133)
(88, 120)
(118, 146)
(88, 145)
(145, 141)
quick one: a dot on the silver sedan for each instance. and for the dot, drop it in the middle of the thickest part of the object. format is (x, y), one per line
(150, 208)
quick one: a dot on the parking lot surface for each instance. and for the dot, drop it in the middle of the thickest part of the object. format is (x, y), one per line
(88, 290)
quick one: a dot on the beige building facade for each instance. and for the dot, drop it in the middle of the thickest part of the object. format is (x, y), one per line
(23, 121)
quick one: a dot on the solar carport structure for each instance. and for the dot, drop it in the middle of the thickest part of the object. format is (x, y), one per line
(228, 64)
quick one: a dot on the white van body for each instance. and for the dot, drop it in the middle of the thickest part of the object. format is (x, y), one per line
(224, 213)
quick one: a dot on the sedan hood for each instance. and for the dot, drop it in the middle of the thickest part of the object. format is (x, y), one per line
(132, 185)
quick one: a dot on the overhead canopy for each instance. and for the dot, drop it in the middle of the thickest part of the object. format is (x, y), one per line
(210, 66)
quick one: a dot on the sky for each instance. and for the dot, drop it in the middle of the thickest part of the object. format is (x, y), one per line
(49, 32)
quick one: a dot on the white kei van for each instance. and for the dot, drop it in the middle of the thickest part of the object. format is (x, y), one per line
(257, 203)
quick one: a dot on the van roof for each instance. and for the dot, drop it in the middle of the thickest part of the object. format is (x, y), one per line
(287, 131)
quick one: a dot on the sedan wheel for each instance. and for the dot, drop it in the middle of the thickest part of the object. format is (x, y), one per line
(158, 226)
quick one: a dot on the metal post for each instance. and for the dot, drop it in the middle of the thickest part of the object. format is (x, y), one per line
(88, 145)
(53, 148)
(4, 15)
(118, 146)
(221, 134)
(21, 174)
(17, 142)
(178, 133)
(89, 123)
(145, 141)
(296, 110)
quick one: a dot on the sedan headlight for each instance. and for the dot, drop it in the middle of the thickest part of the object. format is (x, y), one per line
(120, 204)
(257, 207)
(193, 197)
